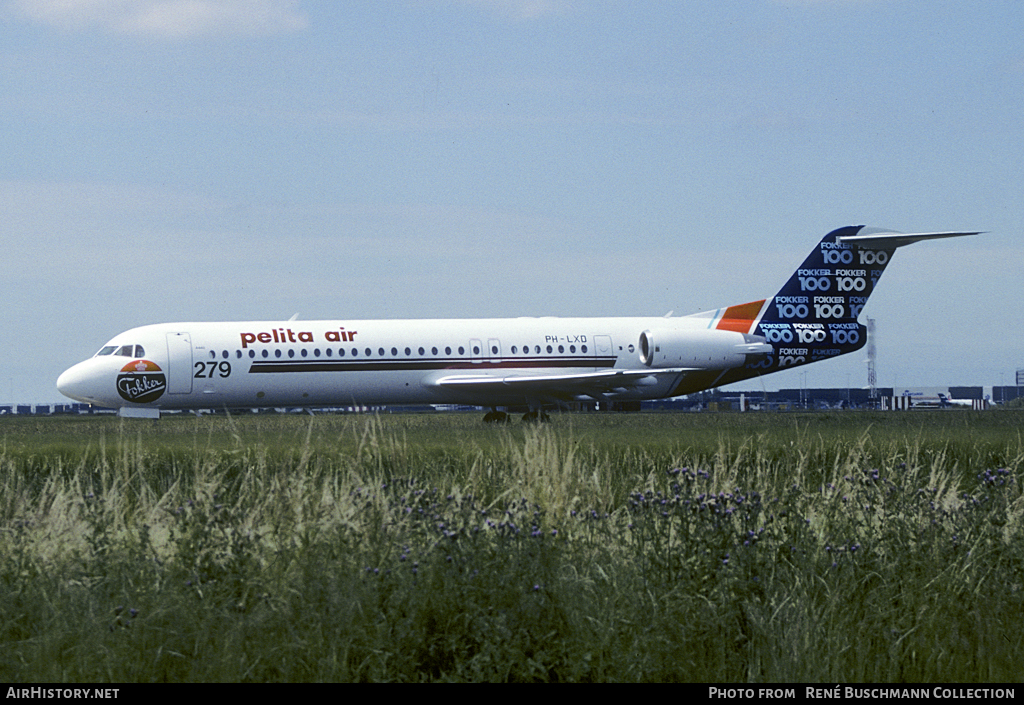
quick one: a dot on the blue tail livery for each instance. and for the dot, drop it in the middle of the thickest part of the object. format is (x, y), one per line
(814, 316)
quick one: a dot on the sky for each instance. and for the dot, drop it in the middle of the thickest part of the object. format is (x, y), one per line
(195, 160)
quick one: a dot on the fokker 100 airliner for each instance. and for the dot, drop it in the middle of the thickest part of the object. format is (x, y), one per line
(498, 363)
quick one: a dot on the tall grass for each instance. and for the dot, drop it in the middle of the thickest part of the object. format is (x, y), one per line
(833, 548)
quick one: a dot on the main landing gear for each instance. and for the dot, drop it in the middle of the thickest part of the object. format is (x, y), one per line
(536, 417)
(495, 416)
(501, 417)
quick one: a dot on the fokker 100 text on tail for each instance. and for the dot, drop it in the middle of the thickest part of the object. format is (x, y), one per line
(497, 363)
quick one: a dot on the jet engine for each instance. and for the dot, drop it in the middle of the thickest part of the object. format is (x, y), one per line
(701, 349)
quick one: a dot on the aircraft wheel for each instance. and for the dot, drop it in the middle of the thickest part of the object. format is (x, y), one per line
(536, 417)
(496, 417)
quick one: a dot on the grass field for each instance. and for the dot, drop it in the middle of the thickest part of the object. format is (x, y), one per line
(823, 547)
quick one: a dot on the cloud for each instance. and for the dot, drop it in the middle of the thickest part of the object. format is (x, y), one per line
(168, 19)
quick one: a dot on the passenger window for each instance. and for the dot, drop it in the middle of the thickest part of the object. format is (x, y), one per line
(462, 350)
(447, 351)
(422, 351)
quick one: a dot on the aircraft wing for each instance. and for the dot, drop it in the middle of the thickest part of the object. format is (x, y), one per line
(562, 386)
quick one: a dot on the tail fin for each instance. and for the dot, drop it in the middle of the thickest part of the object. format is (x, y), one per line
(836, 279)
(814, 316)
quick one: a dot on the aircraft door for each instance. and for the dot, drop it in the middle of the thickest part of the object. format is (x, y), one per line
(179, 363)
(603, 345)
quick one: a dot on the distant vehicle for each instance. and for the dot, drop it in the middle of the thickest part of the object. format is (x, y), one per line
(534, 363)
(938, 401)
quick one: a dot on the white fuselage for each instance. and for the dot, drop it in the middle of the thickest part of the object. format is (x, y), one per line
(341, 363)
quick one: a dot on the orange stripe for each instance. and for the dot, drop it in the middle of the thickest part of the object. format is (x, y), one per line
(740, 318)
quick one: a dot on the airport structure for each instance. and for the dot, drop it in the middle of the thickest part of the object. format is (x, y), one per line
(883, 398)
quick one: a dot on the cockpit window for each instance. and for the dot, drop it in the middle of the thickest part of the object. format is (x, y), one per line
(122, 351)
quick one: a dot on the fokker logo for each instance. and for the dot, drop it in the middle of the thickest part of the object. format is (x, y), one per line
(141, 382)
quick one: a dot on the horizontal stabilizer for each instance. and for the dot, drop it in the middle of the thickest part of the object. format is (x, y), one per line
(875, 239)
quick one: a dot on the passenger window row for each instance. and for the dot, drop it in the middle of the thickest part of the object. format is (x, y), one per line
(381, 352)
(139, 351)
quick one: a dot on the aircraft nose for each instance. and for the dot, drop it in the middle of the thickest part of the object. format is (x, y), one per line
(75, 383)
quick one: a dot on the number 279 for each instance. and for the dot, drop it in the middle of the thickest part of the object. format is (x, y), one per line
(206, 370)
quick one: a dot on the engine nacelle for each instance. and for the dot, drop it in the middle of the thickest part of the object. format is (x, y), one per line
(703, 349)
